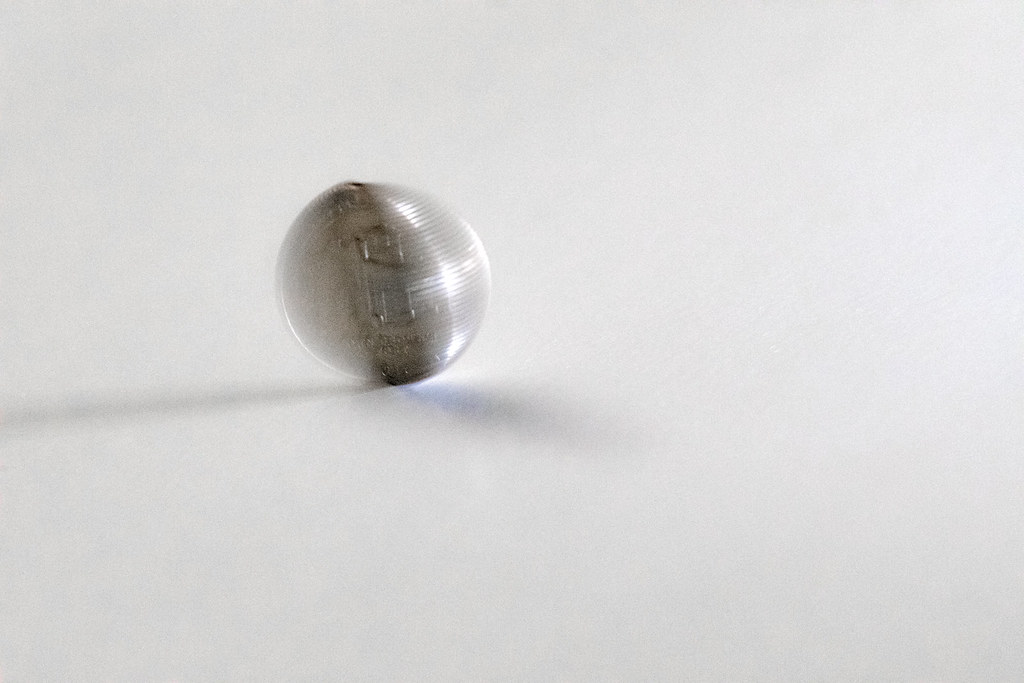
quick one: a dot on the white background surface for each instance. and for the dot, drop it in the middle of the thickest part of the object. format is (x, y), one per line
(747, 404)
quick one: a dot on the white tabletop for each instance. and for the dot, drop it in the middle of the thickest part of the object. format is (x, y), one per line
(748, 402)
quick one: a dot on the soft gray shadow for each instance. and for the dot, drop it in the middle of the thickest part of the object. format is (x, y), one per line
(525, 414)
(114, 409)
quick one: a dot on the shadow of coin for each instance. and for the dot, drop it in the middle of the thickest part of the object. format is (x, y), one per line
(128, 408)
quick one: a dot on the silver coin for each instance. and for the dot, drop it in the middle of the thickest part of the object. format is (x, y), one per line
(382, 282)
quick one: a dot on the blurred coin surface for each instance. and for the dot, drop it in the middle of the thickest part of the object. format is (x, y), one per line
(382, 282)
